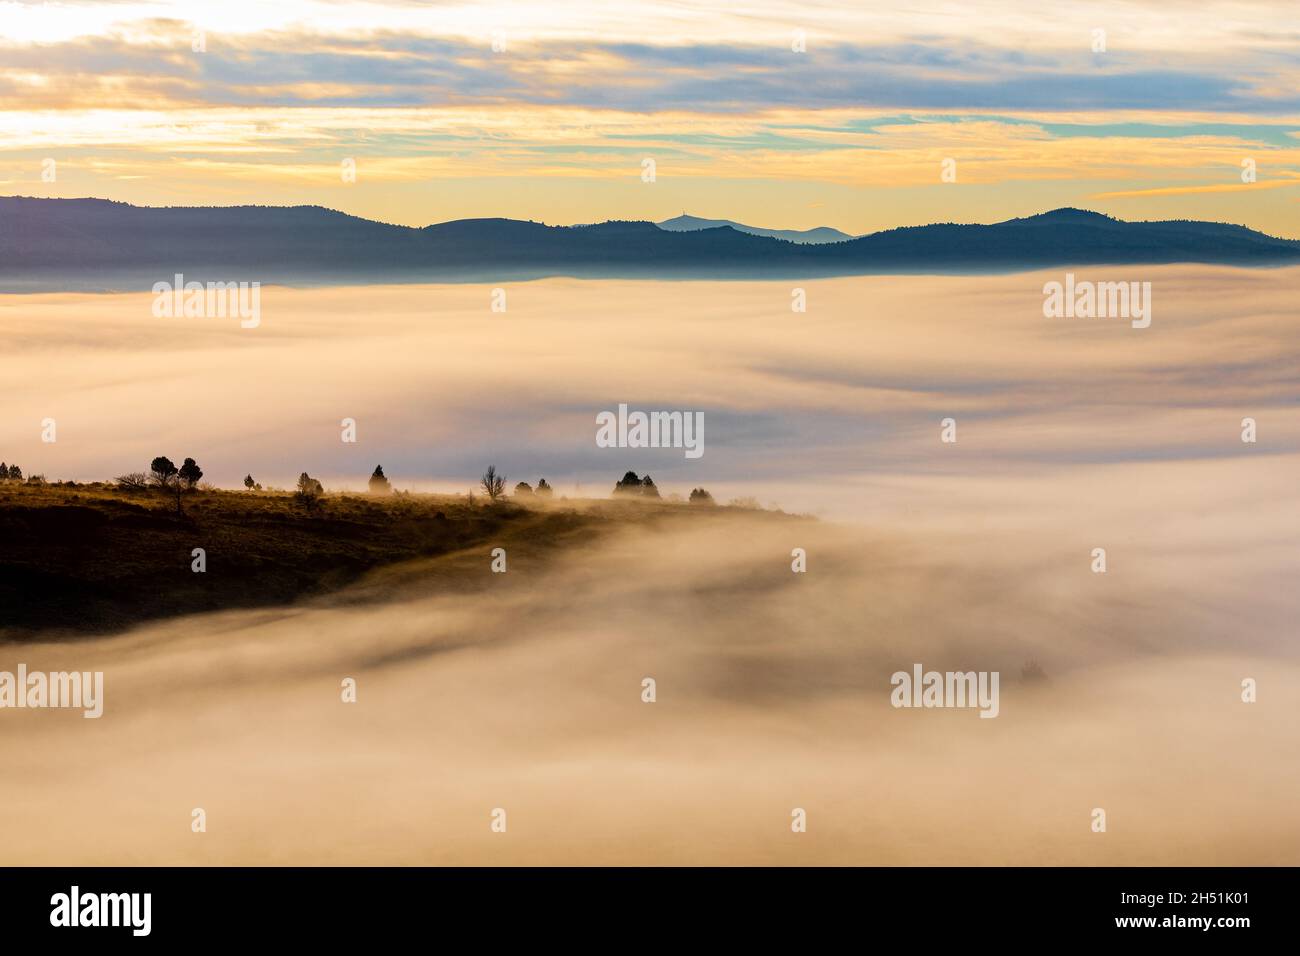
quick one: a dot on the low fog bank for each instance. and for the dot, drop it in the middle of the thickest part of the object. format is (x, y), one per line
(795, 404)
(523, 691)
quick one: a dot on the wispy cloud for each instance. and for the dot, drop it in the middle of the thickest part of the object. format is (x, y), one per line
(1290, 181)
(579, 96)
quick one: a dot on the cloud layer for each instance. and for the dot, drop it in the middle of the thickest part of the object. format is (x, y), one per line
(182, 103)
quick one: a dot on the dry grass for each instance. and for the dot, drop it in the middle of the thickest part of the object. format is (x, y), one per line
(87, 558)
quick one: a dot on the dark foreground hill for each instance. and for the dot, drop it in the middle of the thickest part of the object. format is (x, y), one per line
(80, 559)
(93, 557)
(93, 244)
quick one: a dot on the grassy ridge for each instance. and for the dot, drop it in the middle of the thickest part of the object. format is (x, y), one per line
(90, 558)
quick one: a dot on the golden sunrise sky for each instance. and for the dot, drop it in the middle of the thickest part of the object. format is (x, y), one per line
(555, 126)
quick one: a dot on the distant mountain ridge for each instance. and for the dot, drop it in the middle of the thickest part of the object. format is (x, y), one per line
(685, 223)
(93, 244)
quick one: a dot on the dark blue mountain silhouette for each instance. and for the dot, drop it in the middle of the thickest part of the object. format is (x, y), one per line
(685, 223)
(99, 244)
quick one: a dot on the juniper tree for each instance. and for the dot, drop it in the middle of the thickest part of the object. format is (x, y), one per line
(162, 471)
(379, 485)
(165, 475)
(190, 473)
(630, 484)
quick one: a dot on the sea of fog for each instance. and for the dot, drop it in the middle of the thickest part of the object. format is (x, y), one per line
(835, 410)
(773, 688)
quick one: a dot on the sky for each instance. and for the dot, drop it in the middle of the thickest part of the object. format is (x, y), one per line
(779, 114)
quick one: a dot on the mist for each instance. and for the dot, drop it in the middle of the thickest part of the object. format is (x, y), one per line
(795, 405)
(523, 691)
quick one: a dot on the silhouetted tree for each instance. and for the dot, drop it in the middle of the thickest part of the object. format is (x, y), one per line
(701, 497)
(4, 471)
(379, 485)
(190, 473)
(309, 490)
(523, 490)
(543, 489)
(162, 470)
(249, 483)
(493, 484)
(15, 473)
(166, 476)
(648, 488)
(630, 484)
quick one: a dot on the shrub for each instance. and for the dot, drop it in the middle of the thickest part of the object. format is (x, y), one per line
(133, 481)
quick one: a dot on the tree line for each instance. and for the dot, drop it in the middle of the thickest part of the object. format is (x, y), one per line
(175, 481)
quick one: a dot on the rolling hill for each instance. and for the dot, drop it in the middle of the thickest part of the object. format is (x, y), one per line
(685, 223)
(95, 244)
